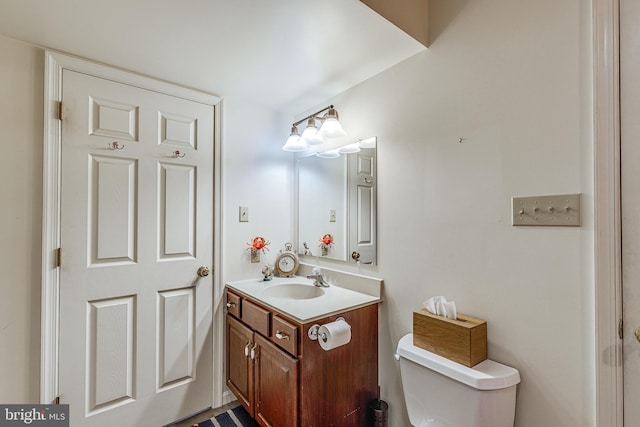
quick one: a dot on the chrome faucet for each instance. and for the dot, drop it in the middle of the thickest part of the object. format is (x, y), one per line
(318, 278)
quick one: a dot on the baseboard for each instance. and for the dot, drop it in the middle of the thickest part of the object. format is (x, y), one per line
(227, 397)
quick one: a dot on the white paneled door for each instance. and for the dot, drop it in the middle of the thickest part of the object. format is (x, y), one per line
(362, 206)
(136, 226)
(630, 199)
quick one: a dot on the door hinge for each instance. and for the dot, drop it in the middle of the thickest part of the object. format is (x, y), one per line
(59, 257)
(60, 110)
(57, 401)
(620, 329)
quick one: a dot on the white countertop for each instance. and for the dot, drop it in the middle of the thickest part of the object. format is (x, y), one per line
(336, 299)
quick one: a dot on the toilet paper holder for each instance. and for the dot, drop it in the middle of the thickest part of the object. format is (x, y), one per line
(312, 333)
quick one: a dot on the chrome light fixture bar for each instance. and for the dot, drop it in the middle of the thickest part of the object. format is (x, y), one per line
(331, 128)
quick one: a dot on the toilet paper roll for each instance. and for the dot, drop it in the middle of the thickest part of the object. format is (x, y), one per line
(334, 334)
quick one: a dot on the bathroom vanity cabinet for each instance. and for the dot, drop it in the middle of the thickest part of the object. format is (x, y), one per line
(285, 379)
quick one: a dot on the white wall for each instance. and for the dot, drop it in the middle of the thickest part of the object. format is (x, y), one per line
(21, 118)
(256, 174)
(513, 79)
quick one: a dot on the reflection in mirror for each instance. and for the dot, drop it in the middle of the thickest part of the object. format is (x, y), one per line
(322, 205)
(337, 197)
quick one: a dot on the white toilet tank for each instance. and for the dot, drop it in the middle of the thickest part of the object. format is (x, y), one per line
(441, 393)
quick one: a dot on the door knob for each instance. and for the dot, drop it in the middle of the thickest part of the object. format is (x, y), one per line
(637, 333)
(355, 255)
(203, 271)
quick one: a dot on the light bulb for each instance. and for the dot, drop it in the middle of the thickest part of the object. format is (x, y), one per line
(331, 128)
(294, 142)
(310, 133)
(368, 143)
(331, 154)
(348, 149)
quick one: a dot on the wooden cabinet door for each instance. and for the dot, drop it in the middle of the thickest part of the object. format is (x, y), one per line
(276, 386)
(239, 365)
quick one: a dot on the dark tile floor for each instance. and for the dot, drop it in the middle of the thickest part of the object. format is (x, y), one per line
(205, 415)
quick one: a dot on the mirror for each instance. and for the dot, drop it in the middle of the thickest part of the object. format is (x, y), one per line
(336, 205)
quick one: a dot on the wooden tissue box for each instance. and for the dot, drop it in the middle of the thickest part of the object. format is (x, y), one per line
(463, 340)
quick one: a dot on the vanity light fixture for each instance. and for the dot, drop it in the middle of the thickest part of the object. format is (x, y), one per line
(330, 154)
(310, 134)
(368, 143)
(354, 147)
(348, 149)
(293, 142)
(331, 128)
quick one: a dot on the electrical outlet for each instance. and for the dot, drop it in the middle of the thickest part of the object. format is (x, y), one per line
(243, 214)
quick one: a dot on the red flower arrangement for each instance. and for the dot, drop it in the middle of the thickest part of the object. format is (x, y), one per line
(258, 243)
(326, 240)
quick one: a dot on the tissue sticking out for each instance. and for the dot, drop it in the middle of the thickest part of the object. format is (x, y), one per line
(441, 307)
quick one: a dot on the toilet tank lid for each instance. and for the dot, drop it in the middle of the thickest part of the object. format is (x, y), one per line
(486, 375)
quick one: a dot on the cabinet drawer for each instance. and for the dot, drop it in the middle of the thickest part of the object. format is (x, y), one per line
(233, 304)
(255, 317)
(284, 335)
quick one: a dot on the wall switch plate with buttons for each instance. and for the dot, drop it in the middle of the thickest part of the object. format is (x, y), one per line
(556, 210)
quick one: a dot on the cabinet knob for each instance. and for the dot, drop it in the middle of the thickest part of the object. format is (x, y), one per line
(253, 351)
(281, 335)
(246, 349)
(231, 304)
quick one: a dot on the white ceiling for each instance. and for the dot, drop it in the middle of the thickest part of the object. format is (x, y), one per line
(284, 54)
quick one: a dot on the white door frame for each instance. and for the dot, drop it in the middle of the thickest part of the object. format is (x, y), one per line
(608, 235)
(55, 63)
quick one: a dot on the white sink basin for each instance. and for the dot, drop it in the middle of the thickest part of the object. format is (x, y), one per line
(294, 291)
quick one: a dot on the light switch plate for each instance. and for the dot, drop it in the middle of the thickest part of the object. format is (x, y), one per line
(556, 210)
(332, 215)
(243, 214)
